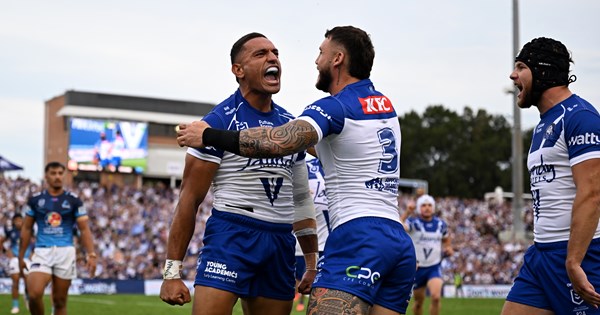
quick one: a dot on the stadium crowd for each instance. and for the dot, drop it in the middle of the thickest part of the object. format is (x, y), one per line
(130, 228)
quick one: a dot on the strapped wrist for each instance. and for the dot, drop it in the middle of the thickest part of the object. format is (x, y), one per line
(311, 260)
(172, 269)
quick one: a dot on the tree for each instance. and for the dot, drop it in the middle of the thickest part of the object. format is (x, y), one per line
(463, 155)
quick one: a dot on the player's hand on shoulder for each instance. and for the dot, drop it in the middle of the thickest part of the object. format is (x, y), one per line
(190, 135)
(175, 292)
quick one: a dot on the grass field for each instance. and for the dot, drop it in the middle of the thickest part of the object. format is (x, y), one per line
(152, 305)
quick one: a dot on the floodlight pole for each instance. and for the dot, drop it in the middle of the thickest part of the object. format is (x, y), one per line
(517, 144)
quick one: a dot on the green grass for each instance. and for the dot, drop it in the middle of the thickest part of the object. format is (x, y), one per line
(150, 305)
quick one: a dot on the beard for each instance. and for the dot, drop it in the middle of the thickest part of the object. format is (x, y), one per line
(324, 81)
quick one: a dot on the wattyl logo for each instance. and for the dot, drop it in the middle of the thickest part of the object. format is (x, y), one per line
(376, 105)
(587, 138)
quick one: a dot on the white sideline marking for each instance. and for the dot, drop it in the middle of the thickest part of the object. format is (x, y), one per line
(105, 302)
(89, 300)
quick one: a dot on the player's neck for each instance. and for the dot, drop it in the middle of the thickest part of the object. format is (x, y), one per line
(552, 97)
(55, 191)
(340, 81)
(427, 219)
(260, 101)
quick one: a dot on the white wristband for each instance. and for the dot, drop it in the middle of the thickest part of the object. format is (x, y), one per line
(172, 269)
(305, 231)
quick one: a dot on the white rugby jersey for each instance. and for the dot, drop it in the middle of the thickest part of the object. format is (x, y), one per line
(568, 133)
(359, 148)
(427, 237)
(256, 187)
(317, 190)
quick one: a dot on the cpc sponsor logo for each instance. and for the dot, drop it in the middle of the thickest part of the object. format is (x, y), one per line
(53, 219)
(376, 105)
(359, 273)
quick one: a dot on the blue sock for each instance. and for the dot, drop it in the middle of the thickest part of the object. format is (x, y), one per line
(15, 302)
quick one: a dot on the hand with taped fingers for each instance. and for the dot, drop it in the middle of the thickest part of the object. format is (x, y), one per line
(190, 135)
(175, 292)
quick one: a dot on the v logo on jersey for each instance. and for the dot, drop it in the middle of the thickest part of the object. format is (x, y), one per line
(272, 187)
(427, 252)
(376, 105)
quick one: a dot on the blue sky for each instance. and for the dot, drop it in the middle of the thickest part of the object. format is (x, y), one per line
(455, 53)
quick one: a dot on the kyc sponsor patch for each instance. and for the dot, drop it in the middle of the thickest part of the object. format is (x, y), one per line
(376, 105)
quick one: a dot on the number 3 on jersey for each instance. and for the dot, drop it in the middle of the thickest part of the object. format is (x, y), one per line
(388, 164)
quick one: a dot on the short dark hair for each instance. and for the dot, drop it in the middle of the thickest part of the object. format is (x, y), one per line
(237, 46)
(359, 47)
(53, 165)
(17, 215)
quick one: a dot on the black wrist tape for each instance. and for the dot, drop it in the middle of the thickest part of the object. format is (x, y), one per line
(227, 140)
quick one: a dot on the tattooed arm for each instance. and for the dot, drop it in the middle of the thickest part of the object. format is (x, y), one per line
(295, 136)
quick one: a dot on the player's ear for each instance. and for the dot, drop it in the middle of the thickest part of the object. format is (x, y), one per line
(237, 70)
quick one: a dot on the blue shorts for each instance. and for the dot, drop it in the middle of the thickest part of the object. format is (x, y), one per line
(372, 258)
(300, 267)
(248, 257)
(425, 273)
(543, 282)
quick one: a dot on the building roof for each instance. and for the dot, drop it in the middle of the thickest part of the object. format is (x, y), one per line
(112, 106)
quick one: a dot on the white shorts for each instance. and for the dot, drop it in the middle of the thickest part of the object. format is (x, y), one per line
(13, 266)
(58, 261)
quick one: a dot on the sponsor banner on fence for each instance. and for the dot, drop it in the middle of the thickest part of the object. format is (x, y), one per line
(89, 286)
(478, 291)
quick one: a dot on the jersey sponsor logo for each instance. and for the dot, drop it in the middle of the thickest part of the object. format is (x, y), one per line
(53, 219)
(272, 187)
(389, 184)
(358, 273)
(319, 110)
(41, 202)
(66, 205)
(280, 162)
(376, 105)
(542, 173)
(587, 138)
(265, 123)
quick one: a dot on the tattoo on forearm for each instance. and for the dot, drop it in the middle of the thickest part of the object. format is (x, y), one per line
(334, 302)
(292, 137)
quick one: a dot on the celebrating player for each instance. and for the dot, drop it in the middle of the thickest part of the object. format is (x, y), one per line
(561, 271)
(358, 136)
(248, 245)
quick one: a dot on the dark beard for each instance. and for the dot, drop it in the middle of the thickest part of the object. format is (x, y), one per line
(324, 81)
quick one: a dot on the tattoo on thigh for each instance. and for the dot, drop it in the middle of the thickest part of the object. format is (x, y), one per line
(334, 302)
